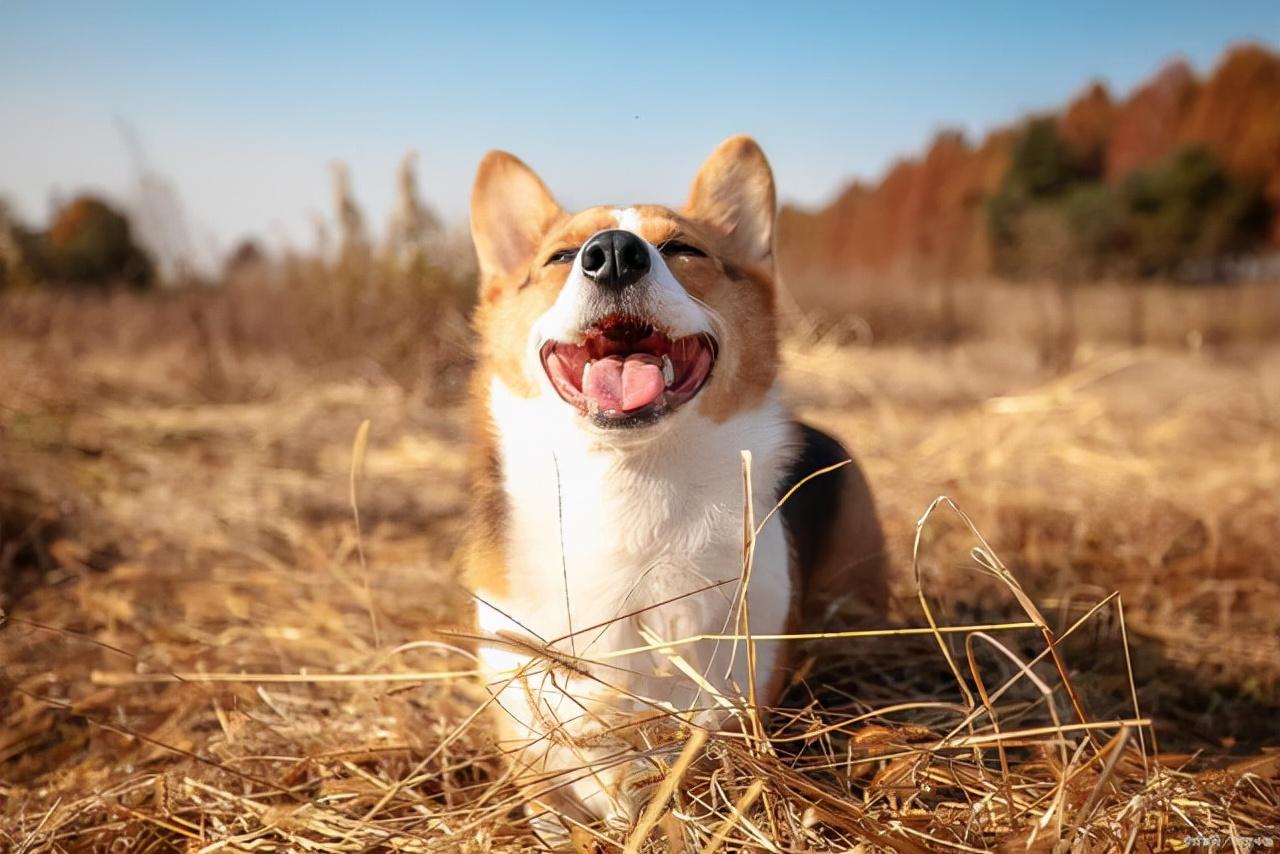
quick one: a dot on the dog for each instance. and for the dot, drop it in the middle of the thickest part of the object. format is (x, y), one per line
(627, 357)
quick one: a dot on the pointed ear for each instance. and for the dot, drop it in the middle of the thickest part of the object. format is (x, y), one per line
(733, 193)
(511, 210)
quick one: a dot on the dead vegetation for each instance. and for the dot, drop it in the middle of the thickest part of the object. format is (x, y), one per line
(201, 653)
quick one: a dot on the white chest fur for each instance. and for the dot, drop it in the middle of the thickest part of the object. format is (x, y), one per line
(605, 540)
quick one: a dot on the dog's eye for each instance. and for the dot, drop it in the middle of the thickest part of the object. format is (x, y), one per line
(675, 247)
(564, 256)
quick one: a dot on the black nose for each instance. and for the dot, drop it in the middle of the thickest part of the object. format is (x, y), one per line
(615, 258)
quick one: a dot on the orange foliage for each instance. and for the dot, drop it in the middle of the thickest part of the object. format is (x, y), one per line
(1238, 116)
(1086, 125)
(926, 217)
(1147, 126)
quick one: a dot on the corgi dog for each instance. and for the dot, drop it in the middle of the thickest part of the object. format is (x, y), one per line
(627, 357)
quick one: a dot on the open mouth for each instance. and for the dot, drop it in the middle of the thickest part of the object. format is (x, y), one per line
(626, 372)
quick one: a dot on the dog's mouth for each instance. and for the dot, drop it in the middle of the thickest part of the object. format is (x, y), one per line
(626, 372)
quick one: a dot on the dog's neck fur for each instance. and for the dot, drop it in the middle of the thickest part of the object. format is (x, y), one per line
(595, 531)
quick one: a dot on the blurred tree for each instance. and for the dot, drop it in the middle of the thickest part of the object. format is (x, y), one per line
(1099, 231)
(1085, 129)
(1021, 213)
(1053, 217)
(1148, 124)
(18, 251)
(1237, 116)
(1004, 210)
(91, 243)
(1190, 209)
(1042, 164)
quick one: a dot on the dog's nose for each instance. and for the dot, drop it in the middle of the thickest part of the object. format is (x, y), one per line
(615, 258)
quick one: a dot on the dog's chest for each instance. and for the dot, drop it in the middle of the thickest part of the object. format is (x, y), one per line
(595, 534)
(593, 537)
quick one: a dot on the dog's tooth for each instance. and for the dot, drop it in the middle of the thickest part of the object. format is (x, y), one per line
(586, 370)
(668, 370)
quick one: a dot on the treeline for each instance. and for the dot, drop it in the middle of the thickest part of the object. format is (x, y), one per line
(1177, 181)
(91, 243)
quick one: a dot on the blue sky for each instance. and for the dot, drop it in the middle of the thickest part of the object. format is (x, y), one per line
(243, 105)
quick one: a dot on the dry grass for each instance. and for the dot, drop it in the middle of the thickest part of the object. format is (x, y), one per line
(201, 654)
(1051, 319)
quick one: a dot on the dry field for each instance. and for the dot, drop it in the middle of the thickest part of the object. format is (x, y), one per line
(204, 651)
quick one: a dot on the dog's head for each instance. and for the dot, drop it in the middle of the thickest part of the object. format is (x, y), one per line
(626, 316)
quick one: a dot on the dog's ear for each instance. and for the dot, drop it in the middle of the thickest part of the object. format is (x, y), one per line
(733, 193)
(511, 210)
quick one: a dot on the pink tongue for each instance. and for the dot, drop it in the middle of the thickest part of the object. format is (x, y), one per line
(624, 385)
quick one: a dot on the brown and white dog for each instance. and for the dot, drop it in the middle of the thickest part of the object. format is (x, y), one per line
(628, 355)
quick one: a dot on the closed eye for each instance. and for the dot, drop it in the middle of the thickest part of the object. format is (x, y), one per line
(676, 247)
(563, 256)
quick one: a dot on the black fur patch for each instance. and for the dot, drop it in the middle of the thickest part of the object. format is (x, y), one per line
(811, 512)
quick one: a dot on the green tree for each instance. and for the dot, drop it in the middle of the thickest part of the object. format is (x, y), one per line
(1042, 171)
(1098, 224)
(1191, 209)
(91, 243)
(1052, 216)
(1041, 166)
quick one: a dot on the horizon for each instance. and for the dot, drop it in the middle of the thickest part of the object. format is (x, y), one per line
(242, 112)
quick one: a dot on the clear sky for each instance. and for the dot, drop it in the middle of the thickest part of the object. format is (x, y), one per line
(243, 105)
